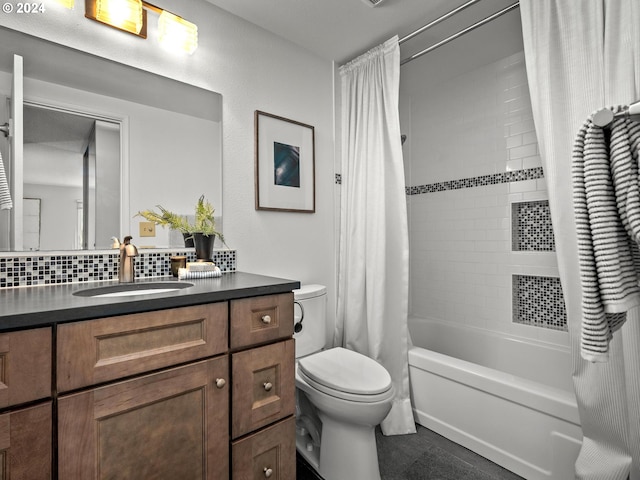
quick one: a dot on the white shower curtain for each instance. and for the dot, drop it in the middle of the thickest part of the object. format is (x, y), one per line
(581, 56)
(373, 267)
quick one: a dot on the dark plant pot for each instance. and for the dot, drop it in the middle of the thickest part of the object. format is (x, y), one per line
(204, 246)
(188, 240)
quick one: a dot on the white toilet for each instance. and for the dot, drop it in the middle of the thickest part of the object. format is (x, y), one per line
(341, 397)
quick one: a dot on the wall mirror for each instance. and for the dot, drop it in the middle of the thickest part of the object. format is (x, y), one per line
(102, 141)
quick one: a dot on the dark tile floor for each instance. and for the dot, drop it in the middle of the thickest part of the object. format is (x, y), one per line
(425, 456)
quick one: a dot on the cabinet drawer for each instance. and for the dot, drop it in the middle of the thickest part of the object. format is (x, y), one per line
(25, 366)
(106, 349)
(263, 386)
(259, 320)
(167, 425)
(270, 453)
(25, 443)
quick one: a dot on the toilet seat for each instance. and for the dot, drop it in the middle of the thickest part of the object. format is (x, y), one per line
(347, 375)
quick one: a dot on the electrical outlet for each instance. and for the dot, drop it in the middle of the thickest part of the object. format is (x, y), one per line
(147, 229)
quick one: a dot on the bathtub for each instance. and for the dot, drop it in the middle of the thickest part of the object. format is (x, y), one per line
(507, 399)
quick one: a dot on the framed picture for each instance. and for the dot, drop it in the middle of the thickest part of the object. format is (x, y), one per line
(285, 164)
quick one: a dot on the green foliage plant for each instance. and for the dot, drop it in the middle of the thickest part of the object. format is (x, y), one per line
(204, 222)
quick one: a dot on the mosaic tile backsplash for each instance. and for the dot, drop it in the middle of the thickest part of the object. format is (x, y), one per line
(43, 269)
(532, 230)
(538, 301)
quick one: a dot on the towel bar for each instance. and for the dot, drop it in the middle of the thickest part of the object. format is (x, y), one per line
(604, 116)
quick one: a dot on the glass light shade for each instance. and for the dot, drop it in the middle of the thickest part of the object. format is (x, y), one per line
(66, 3)
(123, 14)
(176, 33)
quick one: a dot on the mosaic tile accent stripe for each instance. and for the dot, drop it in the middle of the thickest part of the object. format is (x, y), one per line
(506, 177)
(531, 228)
(539, 302)
(77, 268)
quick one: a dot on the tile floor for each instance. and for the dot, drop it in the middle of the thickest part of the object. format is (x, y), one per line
(425, 456)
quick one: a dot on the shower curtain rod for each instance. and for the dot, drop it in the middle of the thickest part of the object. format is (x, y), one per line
(455, 35)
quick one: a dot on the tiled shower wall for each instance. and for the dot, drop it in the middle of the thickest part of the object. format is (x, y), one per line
(472, 162)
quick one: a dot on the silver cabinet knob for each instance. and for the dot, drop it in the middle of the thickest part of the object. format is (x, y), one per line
(220, 382)
(268, 386)
(266, 319)
(267, 472)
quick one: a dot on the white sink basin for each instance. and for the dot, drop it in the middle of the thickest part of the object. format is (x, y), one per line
(130, 289)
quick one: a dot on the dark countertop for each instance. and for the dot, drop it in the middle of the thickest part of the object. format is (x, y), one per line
(28, 307)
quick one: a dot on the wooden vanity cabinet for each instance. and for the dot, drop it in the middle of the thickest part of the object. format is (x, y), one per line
(269, 453)
(97, 351)
(25, 431)
(169, 394)
(25, 443)
(165, 426)
(263, 393)
(25, 366)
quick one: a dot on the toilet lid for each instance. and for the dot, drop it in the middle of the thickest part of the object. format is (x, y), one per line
(346, 371)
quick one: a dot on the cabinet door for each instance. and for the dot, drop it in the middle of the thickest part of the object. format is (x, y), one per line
(259, 320)
(166, 426)
(270, 453)
(25, 443)
(107, 349)
(263, 386)
(25, 366)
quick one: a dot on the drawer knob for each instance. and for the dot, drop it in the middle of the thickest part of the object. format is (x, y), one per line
(220, 382)
(268, 386)
(266, 319)
(267, 472)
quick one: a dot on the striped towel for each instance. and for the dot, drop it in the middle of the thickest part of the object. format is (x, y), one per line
(606, 199)
(5, 194)
(184, 273)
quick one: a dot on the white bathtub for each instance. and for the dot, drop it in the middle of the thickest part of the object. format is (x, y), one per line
(506, 399)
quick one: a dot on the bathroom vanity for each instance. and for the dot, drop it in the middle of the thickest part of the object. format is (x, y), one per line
(196, 383)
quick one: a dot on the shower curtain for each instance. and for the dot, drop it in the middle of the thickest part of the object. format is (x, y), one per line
(373, 269)
(581, 56)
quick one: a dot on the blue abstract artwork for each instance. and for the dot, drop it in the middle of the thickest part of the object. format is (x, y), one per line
(286, 165)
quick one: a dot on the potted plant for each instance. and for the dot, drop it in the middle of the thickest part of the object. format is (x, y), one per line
(203, 229)
(199, 234)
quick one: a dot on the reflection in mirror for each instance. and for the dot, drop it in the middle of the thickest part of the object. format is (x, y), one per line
(71, 179)
(168, 136)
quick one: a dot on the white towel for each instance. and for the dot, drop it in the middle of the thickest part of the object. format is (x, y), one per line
(606, 200)
(201, 266)
(5, 194)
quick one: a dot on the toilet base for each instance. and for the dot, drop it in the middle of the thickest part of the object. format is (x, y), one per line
(348, 452)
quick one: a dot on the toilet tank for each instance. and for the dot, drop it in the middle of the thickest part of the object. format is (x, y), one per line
(310, 306)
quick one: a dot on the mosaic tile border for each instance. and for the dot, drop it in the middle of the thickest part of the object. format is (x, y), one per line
(482, 180)
(531, 227)
(42, 269)
(538, 301)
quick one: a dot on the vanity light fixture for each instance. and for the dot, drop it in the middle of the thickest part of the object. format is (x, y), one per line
(126, 15)
(174, 32)
(66, 3)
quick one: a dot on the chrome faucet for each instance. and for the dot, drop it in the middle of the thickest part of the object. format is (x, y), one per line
(126, 267)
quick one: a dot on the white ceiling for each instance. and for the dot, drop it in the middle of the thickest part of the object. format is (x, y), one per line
(341, 30)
